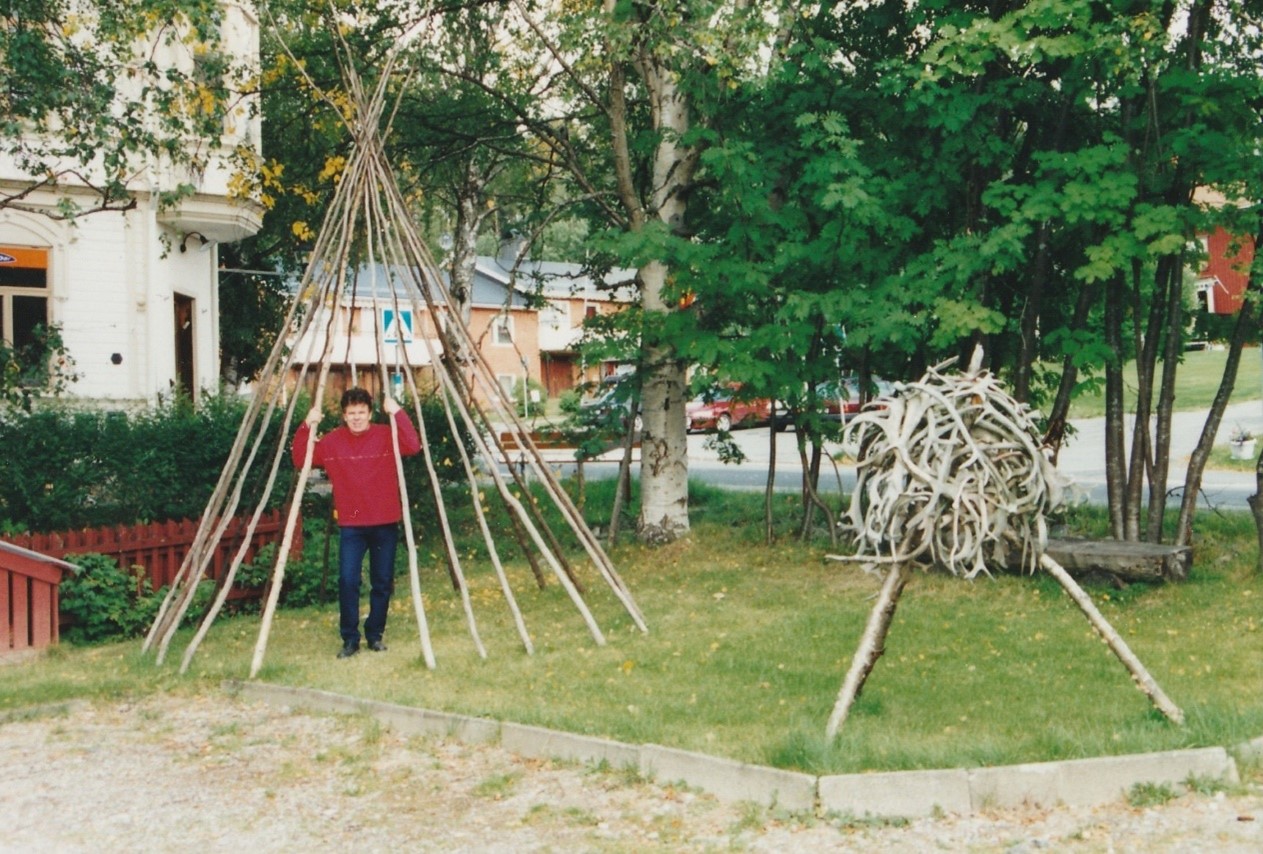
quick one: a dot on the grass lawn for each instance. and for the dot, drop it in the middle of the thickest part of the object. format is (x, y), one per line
(1197, 380)
(747, 648)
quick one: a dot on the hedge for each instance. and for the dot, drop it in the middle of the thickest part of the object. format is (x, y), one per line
(66, 468)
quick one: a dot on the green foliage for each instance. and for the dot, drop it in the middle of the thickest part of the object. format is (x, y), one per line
(568, 401)
(102, 602)
(42, 366)
(85, 100)
(443, 447)
(313, 578)
(66, 468)
(529, 398)
(256, 572)
(252, 313)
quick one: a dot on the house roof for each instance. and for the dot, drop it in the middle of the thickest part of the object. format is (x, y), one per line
(376, 282)
(493, 279)
(560, 279)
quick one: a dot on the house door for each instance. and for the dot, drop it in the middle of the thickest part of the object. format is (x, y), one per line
(184, 315)
(559, 372)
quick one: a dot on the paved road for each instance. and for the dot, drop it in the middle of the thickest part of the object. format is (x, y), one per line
(1082, 460)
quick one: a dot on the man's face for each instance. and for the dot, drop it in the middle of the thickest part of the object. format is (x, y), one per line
(358, 417)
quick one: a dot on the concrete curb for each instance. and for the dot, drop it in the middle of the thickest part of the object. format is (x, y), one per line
(1076, 782)
(730, 780)
(1251, 751)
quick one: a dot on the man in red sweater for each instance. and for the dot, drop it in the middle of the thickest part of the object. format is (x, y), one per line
(359, 458)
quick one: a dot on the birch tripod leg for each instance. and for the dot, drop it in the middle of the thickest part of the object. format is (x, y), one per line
(1114, 640)
(872, 645)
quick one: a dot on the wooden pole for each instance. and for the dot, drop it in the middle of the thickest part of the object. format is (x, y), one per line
(1139, 674)
(872, 646)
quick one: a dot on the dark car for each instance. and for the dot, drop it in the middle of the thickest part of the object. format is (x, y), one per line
(723, 409)
(610, 409)
(842, 399)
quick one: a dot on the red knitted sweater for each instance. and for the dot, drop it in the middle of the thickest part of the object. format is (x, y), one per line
(361, 469)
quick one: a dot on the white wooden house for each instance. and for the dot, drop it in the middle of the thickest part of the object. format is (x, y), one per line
(134, 293)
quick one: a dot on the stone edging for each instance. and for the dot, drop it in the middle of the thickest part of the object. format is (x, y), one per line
(1078, 782)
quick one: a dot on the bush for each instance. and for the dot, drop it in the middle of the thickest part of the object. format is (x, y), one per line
(69, 469)
(104, 602)
(443, 449)
(65, 468)
(308, 579)
(524, 402)
(568, 401)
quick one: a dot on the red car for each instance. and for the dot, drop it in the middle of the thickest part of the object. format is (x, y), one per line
(722, 410)
(840, 400)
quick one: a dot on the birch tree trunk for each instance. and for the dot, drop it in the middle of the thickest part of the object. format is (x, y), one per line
(1246, 328)
(470, 204)
(1115, 443)
(1256, 509)
(664, 470)
(664, 442)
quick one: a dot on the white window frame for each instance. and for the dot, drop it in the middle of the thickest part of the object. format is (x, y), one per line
(502, 330)
(9, 292)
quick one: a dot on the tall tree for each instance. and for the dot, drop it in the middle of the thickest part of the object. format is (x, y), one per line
(642, 83)
(1088, 125)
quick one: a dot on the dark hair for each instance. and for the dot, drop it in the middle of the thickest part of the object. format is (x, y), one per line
(356, 395)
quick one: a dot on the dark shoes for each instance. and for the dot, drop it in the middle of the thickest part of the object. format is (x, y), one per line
(350, 648)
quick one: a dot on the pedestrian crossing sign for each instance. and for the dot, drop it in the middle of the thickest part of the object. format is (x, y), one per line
(397, 326)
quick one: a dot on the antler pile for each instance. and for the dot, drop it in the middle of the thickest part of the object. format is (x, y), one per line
(951, 471)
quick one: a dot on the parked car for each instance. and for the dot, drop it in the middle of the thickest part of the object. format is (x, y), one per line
(609, 409)
(722, 409)
(842, 399)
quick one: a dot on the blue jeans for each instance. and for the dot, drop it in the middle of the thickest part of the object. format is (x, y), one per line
(379, 542)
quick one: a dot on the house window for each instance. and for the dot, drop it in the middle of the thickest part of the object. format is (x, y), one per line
(555, 315)
(507, 383)
(502, 331)
(24, 294)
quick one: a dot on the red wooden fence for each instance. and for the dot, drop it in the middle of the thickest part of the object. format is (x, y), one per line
(28, 599)
(160, 547)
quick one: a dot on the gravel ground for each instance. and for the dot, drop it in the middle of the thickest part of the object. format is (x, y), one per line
(215, 773)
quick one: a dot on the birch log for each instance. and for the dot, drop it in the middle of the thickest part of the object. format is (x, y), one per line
(1139, 674)
(872, 645)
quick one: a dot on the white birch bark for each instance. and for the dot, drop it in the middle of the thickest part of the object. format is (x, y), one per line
(664, 443)
(872, 646)
(1145, 682)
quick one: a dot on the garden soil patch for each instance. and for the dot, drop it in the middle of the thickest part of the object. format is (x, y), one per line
(215, 773)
